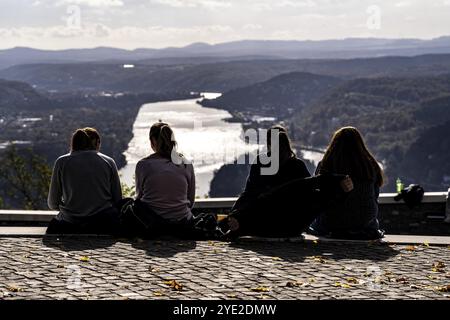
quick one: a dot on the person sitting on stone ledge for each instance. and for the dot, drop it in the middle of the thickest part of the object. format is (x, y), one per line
(284, 202)
(85, 187)
(357, 216)
(165, 189)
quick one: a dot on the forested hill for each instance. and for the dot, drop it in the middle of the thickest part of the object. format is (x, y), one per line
(19, 95)
(393, 114)
(278, 97)
(213, 77)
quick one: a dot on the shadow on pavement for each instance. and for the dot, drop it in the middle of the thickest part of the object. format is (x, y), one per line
(77, 242)
(297, 252)
(163, 247)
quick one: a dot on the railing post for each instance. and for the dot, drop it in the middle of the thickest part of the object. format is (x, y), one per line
(447, 208)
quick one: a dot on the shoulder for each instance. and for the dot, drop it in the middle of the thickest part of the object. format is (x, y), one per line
(108, 159)
(62, 159)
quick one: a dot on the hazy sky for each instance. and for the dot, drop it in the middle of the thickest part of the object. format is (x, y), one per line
(55, 24)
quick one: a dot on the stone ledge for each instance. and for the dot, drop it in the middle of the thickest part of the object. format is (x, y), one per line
(6, 232)
(201, 204)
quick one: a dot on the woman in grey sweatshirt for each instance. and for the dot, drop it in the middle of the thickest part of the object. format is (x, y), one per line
(85, 188)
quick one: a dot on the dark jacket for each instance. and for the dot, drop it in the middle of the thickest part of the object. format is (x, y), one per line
(257, 184)
(357, 214)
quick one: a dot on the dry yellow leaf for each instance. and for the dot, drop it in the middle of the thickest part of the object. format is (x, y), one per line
(411, 248)
(342, 285)
(352, 280)
(232, 296)
(13, 288)
(443, 288)
(84, 258)
(261, 289)
(158, 294)
(276, 259)
(438, 267)
(426, 244)
(174, 285)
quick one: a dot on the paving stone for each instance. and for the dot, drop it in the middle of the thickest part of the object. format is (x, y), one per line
(34, 268)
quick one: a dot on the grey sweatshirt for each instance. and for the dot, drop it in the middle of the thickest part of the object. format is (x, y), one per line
(83, 184)
(168, 189)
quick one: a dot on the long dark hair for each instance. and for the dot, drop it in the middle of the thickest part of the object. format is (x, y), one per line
(162, 135)
(84, 139)
(285, 148)
(348, 154)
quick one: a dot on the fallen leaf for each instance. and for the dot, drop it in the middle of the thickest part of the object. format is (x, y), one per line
(158, 294)
(174, 285)
(293, 284)
(426, 244)
(443, 288)
(84, 259)
(232, 296)
(438, 267)
(261, 289)
(411, 248)
(342, 285)
(276, 259)
(312, 280)
(401, 280)
(13, 288)
(263, 297)
(319, 259)
(352, 280)
(432, 277)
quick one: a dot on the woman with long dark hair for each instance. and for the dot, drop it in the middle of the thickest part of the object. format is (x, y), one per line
(357, 216)
(165, 184)
(283, 203)
(85, 188)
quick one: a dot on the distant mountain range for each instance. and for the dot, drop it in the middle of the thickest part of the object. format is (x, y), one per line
(245, 49)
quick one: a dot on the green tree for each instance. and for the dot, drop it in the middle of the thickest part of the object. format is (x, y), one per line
(25, 177)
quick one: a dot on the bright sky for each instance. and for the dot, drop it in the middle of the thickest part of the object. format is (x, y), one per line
(57, 24)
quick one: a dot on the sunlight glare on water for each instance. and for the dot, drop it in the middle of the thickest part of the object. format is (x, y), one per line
(212, 144)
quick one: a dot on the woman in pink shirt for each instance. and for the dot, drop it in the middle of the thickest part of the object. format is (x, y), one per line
(165, 184)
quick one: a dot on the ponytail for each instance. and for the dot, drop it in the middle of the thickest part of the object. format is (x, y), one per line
(163, 136)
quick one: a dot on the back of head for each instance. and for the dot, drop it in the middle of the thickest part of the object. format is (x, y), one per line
(85, 139)
(284, 143)
(348, 154)
(162, 135)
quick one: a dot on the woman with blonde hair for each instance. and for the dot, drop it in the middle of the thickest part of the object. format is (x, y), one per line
(357, 216)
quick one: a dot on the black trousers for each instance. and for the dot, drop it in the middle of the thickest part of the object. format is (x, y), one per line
(289, 209)
(144, 222)
(104, 222)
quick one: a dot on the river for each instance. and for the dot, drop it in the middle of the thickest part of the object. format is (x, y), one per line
(202, 135)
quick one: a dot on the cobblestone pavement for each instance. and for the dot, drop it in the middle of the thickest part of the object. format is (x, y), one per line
(103, 268)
